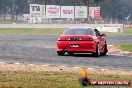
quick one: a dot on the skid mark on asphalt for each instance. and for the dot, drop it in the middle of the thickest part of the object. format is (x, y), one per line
(40, 49)
(49, 56)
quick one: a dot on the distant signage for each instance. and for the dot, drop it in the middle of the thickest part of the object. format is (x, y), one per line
(94, 12)
(56, 11)
(80, 11)
(128, 25)
(67, 11)
(37, 10)
(52, 11)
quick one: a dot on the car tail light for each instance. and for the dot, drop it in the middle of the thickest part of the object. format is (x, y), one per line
(74, 39)
(59, 39)
(62, 39)
(88, 39)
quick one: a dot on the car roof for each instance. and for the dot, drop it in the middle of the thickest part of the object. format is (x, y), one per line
(81, 27)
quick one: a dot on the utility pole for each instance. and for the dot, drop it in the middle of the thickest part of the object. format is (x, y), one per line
(60, 8)
(74, 8)
(87, 4)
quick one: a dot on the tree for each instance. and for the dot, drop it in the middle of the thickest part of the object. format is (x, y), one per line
(110, 9)
(116, 9)
(22, 6)
(18, 7)
(4, 7)
(13, 7)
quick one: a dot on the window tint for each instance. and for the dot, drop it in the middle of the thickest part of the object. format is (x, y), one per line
(80, 31)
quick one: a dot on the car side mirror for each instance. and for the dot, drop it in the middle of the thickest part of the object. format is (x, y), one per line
(102, 35)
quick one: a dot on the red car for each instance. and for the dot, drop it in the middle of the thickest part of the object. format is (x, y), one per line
(82, 40)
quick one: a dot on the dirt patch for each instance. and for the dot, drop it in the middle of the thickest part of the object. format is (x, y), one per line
(114, 48)
(39, 68)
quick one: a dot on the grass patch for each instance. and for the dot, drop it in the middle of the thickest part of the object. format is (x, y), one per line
(47, 31)
(51, 80)
(126, 47)
(128, 31)
(125, 31)
(30, 31)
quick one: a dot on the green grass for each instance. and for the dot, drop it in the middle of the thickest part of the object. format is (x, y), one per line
(125, 31)
(51, 80)
(128, 30)
(47, 31)
(30, 31)
(126, 47)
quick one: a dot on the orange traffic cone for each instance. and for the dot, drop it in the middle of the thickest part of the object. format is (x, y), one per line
(84, 81)
(84, 73)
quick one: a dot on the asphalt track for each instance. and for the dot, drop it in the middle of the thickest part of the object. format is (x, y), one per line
(41, 49)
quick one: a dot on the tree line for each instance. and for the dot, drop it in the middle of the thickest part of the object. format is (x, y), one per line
(110, 9)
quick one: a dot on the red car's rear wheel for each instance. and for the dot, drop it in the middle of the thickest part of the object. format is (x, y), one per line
(97, 53)
(105, 50)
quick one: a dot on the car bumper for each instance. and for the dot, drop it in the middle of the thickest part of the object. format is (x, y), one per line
(83, 46)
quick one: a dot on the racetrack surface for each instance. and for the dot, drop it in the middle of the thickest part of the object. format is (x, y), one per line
(41, 49)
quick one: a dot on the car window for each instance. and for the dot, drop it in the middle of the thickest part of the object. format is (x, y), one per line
(78, 31)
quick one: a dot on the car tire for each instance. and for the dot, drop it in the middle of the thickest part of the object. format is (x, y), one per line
(105, 50)
(97, 53)
(61, 53)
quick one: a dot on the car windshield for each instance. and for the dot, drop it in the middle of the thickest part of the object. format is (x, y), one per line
(78, 31)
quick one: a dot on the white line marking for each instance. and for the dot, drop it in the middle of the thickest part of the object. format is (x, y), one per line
(1, 62)
(62, 66)
(17, 63)
(76, 67)
(102, 69)
(90, 68)
(45, 65)
(30, 64)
